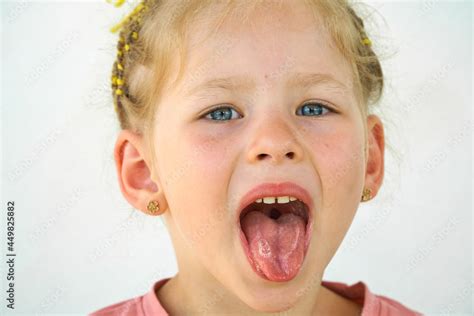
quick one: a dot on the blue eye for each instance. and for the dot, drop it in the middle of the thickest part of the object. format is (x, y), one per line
(315, 109)
(221, 114)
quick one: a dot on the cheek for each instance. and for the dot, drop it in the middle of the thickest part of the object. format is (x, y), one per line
(209, 152)
(342, 165)
(338, 155)
(193, 156)
(194, 172)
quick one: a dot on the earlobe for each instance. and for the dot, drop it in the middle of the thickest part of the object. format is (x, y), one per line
(375, 160)
(133, 170)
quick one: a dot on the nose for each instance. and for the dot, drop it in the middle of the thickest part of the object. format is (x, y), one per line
(275, 141)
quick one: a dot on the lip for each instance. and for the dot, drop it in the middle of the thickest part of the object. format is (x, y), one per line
(275, 189)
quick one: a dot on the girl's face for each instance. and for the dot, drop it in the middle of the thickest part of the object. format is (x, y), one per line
(262, 77)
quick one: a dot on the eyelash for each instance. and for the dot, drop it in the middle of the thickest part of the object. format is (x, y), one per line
(317, 103)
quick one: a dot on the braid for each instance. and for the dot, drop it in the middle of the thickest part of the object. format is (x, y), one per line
(127, 51)
(370, 70)
(359, 23)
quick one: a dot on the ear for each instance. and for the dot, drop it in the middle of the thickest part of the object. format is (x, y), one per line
(133, 172)
(375, 154)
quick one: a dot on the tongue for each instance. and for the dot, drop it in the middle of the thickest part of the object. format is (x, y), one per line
(276, 246)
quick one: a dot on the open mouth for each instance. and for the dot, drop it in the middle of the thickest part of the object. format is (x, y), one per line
(275, 234)
(275, 210)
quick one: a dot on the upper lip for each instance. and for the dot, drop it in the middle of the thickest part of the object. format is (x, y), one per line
(276, 189)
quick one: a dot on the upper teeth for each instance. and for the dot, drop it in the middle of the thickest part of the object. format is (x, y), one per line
(276, 199)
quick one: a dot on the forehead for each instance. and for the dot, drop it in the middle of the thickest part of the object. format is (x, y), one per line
(259, 47)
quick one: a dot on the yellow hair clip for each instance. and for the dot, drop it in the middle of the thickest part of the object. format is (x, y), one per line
(366, 41)
(117, 3)
(117, 26)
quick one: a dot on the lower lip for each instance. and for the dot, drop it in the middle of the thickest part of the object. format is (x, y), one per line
(246, 246)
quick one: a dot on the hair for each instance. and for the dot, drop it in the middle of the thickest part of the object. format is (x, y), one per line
(152, 34)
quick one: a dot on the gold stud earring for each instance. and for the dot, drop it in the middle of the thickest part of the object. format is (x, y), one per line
(153, 207)
(366, 195)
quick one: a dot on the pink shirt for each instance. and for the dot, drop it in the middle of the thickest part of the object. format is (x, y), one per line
(148, 304)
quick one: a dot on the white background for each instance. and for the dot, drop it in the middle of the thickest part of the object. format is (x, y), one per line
(80, 246)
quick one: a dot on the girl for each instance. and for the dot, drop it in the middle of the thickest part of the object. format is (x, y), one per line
(246, 126)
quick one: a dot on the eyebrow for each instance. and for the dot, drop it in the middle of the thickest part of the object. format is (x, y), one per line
(245, 83)
(237, 83)
(306, 80)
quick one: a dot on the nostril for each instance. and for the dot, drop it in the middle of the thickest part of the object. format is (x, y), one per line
(290, 155)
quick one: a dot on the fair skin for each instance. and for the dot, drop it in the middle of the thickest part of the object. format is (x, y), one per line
(203, 167)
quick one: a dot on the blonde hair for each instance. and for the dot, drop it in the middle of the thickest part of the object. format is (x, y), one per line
(152, 35)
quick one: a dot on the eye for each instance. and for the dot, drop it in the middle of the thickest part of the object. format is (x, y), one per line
(314, 109)
(222, 113)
